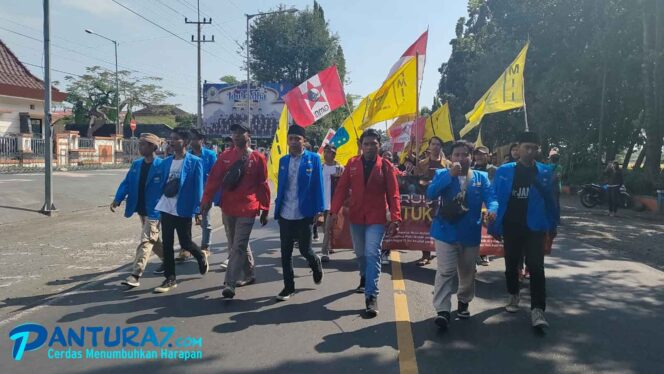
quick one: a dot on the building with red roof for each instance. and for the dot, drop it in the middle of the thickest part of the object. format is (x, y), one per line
(21, 97)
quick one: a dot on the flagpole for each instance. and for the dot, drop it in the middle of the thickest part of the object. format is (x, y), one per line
(523, 89)
(525, 108)
(417, 107)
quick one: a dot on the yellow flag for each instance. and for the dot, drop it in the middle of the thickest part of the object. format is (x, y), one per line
(396, 97)
(478, 142)
(279, 147)
(347, 136)
(438, 124)
(505, 94)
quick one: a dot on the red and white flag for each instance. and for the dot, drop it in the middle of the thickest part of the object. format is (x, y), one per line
(400, 135)
(403, 132)
(326, 141)
(316, 97)
(419, 49)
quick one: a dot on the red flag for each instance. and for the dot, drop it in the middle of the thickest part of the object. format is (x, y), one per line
(316, 97)
(419, 48)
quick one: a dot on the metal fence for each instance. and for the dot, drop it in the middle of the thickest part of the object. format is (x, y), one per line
(38, 147)
(8, 146)
(86, 143)
(130, 149)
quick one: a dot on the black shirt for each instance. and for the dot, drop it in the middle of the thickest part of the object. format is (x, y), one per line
(368, 166)
(479, 167)
(140, 204)
(517, 207)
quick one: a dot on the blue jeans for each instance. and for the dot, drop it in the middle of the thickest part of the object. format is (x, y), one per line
(206, 227)
(367, 240)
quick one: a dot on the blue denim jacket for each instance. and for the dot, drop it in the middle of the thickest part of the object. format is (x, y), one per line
(466, 231)
(543, 212)
(191, 184)
(153, 188)
(309, 185)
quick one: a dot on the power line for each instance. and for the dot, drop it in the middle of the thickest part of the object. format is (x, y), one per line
(42, 67)
(87, 56)
(168, 31)
(226, 50)
(154, 23)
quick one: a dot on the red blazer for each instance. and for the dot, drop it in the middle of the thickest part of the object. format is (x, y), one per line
(368, 204)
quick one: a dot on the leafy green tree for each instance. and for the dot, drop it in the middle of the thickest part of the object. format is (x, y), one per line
(93, 95)
(291, 47)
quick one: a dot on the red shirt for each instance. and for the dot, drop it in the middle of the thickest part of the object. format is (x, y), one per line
(368, 203)
(251, 195)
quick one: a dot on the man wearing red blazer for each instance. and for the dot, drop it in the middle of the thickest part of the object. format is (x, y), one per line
(374, 187)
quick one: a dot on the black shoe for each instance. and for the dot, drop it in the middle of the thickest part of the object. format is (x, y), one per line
(228, 292)
(462, 310)
(360, 288)
(160, 270)
(442, 320)
(203, 265)
(372, 306)
(318, 271)
(166, 286)
(285, 295)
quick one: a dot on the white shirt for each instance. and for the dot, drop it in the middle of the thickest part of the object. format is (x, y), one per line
(290, 209)
(328, 172)
(170, 204)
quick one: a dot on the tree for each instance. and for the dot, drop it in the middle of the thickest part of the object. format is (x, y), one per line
(291, 47)
(584, 72)
(93, 95)
(229, 79)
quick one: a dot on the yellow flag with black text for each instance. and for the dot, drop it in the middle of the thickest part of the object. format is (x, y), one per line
(505, 94)
(439, 124)
(396, 97)
(279, 147)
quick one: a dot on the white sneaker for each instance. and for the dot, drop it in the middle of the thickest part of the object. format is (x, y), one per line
(224, 265)
(512, 304)
(537, 317)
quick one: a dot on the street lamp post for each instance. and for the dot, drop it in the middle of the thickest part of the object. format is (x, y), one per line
(249, 17)
(118, 129)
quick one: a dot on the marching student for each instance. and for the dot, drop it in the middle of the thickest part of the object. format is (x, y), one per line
(142, 188)
(178, 204)
(298, 205)
(373, 181)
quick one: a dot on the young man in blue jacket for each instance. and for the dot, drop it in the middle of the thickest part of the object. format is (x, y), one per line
(209, 157)
(179, 203)
(526, 212)
(457, 237)
(142, 188)
(299, 202)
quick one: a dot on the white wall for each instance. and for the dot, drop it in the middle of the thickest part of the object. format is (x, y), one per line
(9, 122)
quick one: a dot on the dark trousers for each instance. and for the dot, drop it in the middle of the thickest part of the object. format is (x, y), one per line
(614, 198)
(169, 225)
(290, 231)
(520, 241)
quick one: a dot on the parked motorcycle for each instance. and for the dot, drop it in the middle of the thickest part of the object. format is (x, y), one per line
(593, 194)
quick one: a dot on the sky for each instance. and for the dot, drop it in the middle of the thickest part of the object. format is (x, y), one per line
(372, 33)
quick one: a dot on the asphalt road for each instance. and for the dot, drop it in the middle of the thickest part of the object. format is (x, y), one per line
(605, 313)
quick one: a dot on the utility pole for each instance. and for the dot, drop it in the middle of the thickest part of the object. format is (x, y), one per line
(198, 40)
(48, 208)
